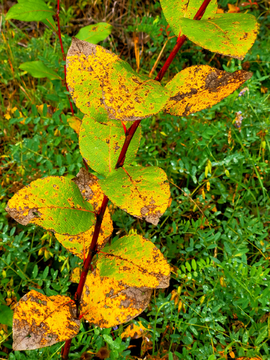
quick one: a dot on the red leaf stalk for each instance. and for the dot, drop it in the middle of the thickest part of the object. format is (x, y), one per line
(120, 162)
(63, 53)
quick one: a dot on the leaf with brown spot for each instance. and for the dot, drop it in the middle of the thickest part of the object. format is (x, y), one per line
(199, 87)
(101, 141)
(134, 261)
(106, 302)
(98, 78)
(143, 192)
(55, 203)
(134, 331)
(41, 321)
(91, 192)
(227, 34)
(176, 9)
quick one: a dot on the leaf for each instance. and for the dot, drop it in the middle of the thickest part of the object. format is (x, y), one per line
(38, 70)
(227, 34)
(6, 315)
(106, 302)
(98, 78)
(101, 144)
(75, 123)
(143, 192)
(41, 321)
(134, 261)
(30, 10)
(94, 33)
(55, 203)
(134, 331)
(199, 87)
(175, 10)
(91, 192)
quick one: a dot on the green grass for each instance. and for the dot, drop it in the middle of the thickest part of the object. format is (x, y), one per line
(216, 232)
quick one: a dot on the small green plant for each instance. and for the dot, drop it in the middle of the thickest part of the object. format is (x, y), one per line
(114, 99)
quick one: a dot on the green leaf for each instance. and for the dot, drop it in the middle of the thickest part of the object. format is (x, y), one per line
(38, 70)
(98, 78)
(6, 315)
(135, 262)
(55, 203)
(143, 192)
(199, 87)
(227, 34)
(101, 143)
(30, 10)
(94, 33)
(175, 10)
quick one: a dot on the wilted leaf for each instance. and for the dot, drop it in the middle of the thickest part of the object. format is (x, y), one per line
(55, 203)
(38, 70)
(174, 10)
(227, 34)
(134, 331)
(106, 302)
(97, 77)
(199, 87)
(30, 10)
(101, 144)
(91, 192)
(143, 192)
(94, 33)
(134, 261)
(75, 123)
(41, 321)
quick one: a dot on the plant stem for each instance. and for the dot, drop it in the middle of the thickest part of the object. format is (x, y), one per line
(180, 41)
(63, 53)
(120, 162)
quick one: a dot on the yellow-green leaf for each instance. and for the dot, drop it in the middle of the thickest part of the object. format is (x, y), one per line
(201, 86)
(135, 262)
(176, 9)
(55, 203)
(227, 34)
(91, 192)
(143, 192)
(101, 141)
(106, 302)
(97, 77)
(41, 321)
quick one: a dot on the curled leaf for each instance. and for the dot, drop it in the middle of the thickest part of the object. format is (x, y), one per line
(106, 302)
(75, 123)
(41, 321)
(136, 262)
(92, 193)
(143, 192)
(55, 203)
(101, 142)
(199, 87)
(97, 77)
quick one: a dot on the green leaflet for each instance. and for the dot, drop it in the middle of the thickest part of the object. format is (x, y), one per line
(94, 33)
(136, 262)
(101, 144)
(175, 10)
(38, 70)
(98, 78)
(226, 34)
(30, 10)
(143, 192)
(55, 203)
(6, 315)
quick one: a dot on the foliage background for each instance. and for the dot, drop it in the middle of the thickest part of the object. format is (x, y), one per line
(216, 232)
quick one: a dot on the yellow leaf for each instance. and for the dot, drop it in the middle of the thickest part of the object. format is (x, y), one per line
(134, 331)
(41, 321)
(75, 123)
(106, 302)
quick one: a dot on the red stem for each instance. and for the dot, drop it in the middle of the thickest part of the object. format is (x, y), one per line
(63, 53)
(120, 162)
